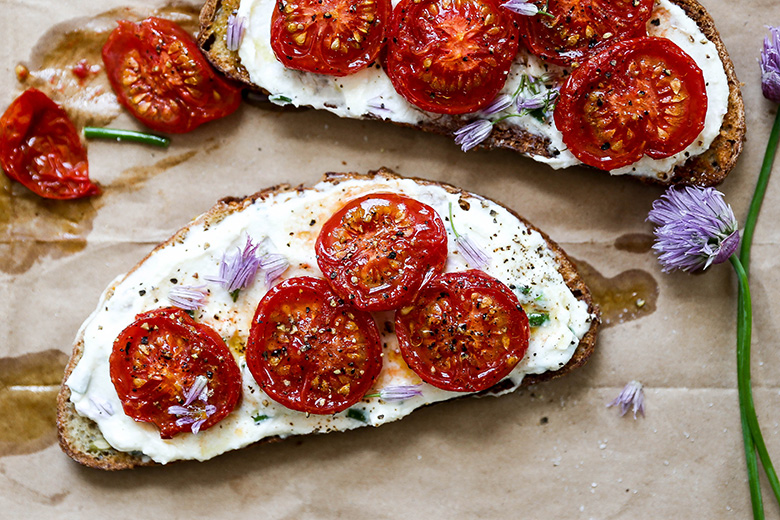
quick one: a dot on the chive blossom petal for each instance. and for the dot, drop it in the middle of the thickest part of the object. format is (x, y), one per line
(473, 133)
(236, 27)
(102, 406)
(397, 392)
(377, 107)
(501, 103)
(632, 397)
(192, 413)
(274, 266)
(521, 7)
(188, 297)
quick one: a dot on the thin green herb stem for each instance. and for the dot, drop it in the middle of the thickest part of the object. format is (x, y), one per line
(758, 195)
(452, 223)
(744, 328)
(744, 258)
(92, 132)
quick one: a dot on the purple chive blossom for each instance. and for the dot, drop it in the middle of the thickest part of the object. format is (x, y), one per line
(398, 393)
(188, 297)
(473, 133)
(694, 228)
(102, 406)
(523, 7)
(377, 106)
(501, 103)
(235, 31)
(193, 413)
(770, 65)
(238, 270)
(273, 265)
(631, 397)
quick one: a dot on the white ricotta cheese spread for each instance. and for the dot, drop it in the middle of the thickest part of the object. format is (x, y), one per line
(369, 93)
(289, 223)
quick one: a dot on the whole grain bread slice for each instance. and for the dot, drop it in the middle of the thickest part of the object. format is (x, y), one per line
(80, 437)
(708, 169)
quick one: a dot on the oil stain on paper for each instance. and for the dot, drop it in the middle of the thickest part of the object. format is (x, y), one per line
(630, 295)
(28, 401)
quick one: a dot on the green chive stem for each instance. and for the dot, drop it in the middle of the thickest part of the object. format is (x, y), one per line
(452, 223)
(750, 418)
(92, 132)
(758, 195)
(744, 329)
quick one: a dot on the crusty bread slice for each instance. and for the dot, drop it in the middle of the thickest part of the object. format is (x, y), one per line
(78, 434)
(708, 169)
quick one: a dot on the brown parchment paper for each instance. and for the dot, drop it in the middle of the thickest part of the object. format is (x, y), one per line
(552, 451)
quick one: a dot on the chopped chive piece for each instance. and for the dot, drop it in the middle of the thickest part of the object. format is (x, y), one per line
(279, 99)
(234, 295)
(358, 415)
(525, 290)
(259, 418)
(537, 319)
(91, 132)
(539, 114)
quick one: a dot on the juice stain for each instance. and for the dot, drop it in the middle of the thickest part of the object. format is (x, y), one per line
(28, 401)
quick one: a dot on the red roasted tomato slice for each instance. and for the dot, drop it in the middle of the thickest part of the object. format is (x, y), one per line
(328, 36)
(310, 351)
(40, 148)
(465, 332)
(159, 74)
(378, 249)
(578, 28)
(174, 372)
(638, 97)
(450, 57)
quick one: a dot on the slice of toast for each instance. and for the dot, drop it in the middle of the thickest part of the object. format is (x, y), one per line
(81, 438)
(708, 169)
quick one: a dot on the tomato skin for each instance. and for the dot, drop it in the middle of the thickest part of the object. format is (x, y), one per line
(465, 332)
(378, 249)
(327, 30)
(156, 360)
(310, 351)
(442, 56)
(41, 149)
(577, 28)
(159, 74)
(621, 104)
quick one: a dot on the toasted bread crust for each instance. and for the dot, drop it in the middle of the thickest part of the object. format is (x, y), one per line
(707, 169)
(77, 433)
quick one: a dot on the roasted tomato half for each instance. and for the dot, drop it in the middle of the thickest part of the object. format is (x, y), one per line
(450, 57)
(465, 332)
(576, 29)
(377, 250)
(310, 351)
(328, 36)
(638, 97)
(174, 372)
(159, 74)
(40, 148)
